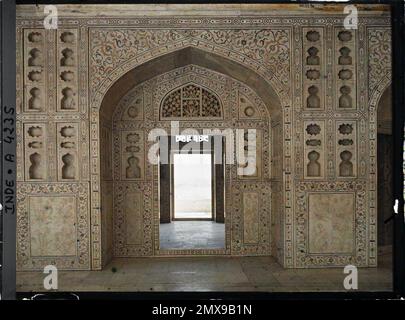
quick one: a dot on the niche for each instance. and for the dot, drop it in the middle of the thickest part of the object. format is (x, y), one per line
(35, 171)
(313, 59)
(345, 74)
(346, 166)
(313, 100)
(35, 37)
(133, 170)
(313, 74)
(68, 100)
(35, 76)
(36, 58)
(35, 102)
(345, 58)
(313, 166)
(345, 100)
(67, 37)
(67, 60)
(68, 168)
(67, 76)
(313, 36)
(345, 36)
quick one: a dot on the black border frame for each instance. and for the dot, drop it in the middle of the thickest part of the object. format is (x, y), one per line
(8, 98)
(8, 152)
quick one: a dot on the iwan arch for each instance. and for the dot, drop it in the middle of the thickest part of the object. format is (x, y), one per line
(305, 210)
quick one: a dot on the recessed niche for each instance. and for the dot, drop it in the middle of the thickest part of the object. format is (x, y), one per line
(313, 59)
(35, 37)
(313, 142)
(313, 166)
(35, 59)
(345, 100)
(313, 129)
(67, 37)
(68, 168)
(346, 166)
(35, 132)
(35, 170)
(345, 128)
(68, 59)
(67, 76)
(313, 100)
(345, 74)
(68, 101)
(35, 145)
(133, 170)
(345, 142)
(345, 58)
(345, 36)
(35, 101)
(313, 36)
(313, 74)
(35, 76)
(67, 132)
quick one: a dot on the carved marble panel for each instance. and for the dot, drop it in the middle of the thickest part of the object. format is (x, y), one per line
(133, 219)
(250, 217)
(331, 227)
(133, 208)
(251, 220)
(331, 223)
(53, 223)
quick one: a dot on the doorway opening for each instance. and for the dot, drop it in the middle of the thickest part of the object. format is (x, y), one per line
(192, 193)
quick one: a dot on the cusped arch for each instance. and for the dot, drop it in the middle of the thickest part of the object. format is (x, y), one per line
(188, 56)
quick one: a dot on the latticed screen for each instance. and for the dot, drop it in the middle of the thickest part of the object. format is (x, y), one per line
(191, 101)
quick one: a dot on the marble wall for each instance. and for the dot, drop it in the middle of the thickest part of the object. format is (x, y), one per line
(316, 86)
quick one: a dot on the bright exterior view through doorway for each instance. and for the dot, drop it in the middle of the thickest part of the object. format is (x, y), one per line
(192, 186)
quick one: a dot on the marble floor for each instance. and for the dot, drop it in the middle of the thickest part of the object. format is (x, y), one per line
(192, 235)
(229, 274)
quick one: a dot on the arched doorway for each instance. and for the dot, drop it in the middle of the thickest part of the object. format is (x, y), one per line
(147, 85)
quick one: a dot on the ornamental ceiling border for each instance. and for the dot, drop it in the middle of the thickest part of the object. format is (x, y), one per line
(206, 21)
